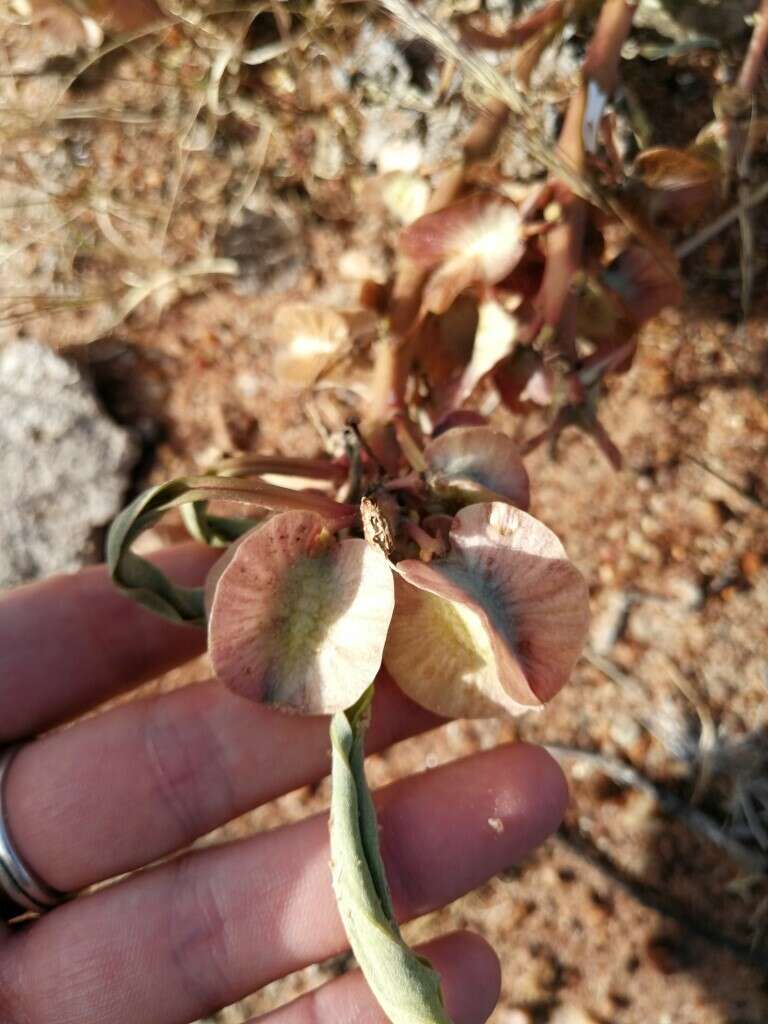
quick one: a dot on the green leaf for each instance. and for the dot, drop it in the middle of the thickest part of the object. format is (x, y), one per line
(145, 583)
(404, 984)
(215, 531)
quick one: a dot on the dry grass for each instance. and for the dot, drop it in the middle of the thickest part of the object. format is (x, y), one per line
(125, 164)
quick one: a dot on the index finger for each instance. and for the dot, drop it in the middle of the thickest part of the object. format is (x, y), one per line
(70, 642)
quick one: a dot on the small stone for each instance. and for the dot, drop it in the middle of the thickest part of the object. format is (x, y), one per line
(624, 730)
(684, 592)
(609, 620)
(515, 1016)
(497, 825)
(64, 465)
(570, 1014)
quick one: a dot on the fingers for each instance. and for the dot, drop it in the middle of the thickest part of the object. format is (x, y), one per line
(127, 787)
(70, 642)
(184, 939)
(469, 975)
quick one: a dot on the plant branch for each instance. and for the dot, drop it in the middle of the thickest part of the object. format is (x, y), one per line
(565, 243)
(754, 198)
(749, 75)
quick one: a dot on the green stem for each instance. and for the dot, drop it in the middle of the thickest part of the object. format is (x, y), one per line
(404, 984)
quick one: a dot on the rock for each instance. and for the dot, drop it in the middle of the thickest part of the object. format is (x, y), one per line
(64, 464)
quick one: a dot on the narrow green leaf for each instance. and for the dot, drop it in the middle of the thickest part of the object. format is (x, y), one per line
(145, 583)
(215, 531)
(405, 985)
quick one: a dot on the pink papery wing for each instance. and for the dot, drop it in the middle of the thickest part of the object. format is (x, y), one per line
(299, 620)
(479, 462)
(477, 240)
(495, 627)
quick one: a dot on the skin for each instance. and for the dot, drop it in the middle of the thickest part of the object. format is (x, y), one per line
(115, 792)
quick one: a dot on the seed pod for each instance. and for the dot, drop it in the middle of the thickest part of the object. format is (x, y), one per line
(298, 619)
(471, 464)
(494, 627)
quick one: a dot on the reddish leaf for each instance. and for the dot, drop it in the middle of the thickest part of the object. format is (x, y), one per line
(477, 240)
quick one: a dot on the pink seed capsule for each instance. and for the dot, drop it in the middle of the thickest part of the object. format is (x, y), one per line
(298, 619)
(471, 464)
(494, 627)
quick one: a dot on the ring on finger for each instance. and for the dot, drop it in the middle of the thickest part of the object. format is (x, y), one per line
(22, 891)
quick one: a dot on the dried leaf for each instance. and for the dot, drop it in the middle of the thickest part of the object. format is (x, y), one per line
(477, 240)
(663, 167)
(299, 620)
(311, 339)
(444, 346)
(644, 286)
(524, 381)
(121, 15)
(494, 627)
(495, 339)
(682, 183)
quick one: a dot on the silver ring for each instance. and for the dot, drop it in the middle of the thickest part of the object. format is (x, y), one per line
(26, 892)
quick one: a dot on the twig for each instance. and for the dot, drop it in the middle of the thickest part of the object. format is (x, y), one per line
(251, 179)
(614, 673)
(753, 62)
(728, 483)
(498, 88)
(202, 268)
(754, 198)
(696, 820)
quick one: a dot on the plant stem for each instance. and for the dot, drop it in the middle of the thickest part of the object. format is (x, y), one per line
(404, 984)
(747, 81)
(282, 465)
(565, 243)
(395, 354)
(759, 195)
(601, 63)
(519, 31)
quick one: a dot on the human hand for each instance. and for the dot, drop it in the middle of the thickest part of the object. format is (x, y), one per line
(117, 791)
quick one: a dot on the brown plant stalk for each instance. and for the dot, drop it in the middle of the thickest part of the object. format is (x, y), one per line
(749, 74)
(565, 243)
(395, 353)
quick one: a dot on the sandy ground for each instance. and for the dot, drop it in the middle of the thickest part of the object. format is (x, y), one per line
(651, 903)
(629, 914)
